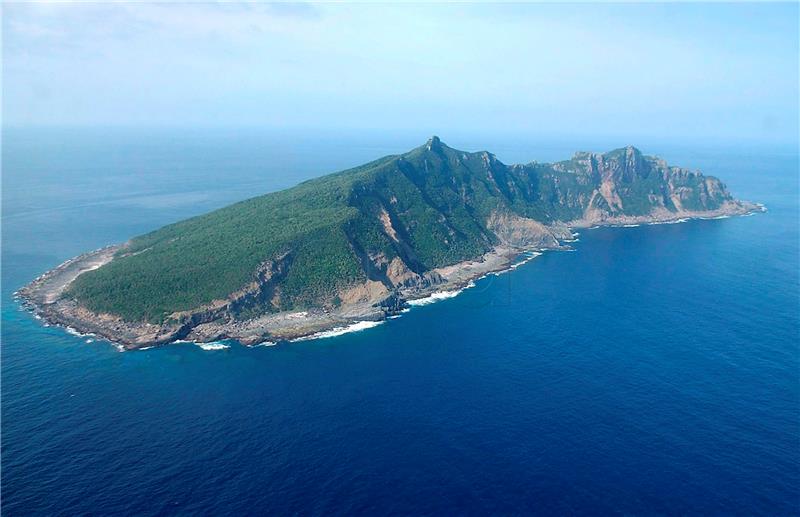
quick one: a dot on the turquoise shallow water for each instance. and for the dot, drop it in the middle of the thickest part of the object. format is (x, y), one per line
(652, 370)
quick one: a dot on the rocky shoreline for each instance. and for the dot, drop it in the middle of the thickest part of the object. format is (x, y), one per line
(43, 296)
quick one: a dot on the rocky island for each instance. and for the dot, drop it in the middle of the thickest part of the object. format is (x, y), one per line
(358, 245)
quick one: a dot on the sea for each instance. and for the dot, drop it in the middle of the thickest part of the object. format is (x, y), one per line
(651, 370)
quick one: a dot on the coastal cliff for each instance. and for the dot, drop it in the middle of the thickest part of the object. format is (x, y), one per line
(358, 244)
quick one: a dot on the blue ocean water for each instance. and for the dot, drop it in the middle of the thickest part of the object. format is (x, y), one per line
(654, 370)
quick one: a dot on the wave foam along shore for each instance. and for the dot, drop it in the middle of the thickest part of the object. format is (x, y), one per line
(74, 332)
(338, 331)
(214, 345)
(435, 297)
(527, 257)
(263, 343)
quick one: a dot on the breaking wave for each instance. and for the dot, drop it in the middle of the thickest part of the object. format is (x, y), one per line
(214, 345)
(338, 331)
(526, 258)
(435, 297)
(674, 221)
(263, 343)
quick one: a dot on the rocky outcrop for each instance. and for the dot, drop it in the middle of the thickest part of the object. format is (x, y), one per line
(521, 232)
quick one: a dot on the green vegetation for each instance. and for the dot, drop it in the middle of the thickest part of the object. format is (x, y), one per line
(435, 199)
(193, 262)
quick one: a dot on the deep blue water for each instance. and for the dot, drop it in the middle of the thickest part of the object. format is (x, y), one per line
(654, 370)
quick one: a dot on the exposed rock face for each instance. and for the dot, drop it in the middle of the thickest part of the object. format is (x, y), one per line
(399, 274)
(521, 232)
(387, 225)
(370, 291)
(403, 227)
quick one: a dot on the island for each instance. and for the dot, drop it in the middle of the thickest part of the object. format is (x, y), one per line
(358, 246)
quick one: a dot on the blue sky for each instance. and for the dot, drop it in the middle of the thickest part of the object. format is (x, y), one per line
(723, 71)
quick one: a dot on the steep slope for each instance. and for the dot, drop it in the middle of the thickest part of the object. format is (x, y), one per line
(372, 234)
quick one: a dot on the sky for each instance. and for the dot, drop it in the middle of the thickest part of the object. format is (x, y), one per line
(678, 70)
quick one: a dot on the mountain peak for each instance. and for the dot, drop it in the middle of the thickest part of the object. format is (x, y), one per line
(433, 143)
(624, 153)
